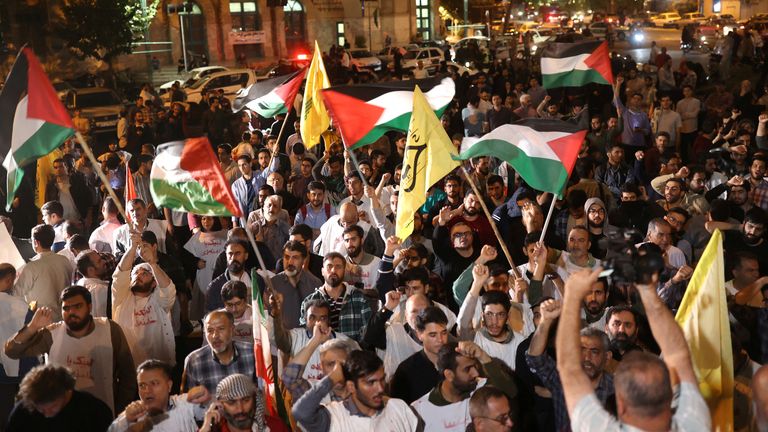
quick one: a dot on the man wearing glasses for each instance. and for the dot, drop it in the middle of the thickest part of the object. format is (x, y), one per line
(490, 410)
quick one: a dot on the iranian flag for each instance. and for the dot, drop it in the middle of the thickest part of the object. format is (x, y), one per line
(362, 113)
(542, 151)
(186, 176)
(33, 121)
(270, 97)
(576, 64)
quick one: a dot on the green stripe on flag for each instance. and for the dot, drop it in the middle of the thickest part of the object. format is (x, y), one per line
(573, 78)
(542, 174)
(399, 123)
(191, 197)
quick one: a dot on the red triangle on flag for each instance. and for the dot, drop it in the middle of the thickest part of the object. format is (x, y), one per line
(600, 61)
(130, 187)
(44, 103)
(353, 117)
(287, 92)
(567, 148)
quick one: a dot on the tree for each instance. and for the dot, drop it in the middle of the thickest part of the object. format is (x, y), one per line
(104, 29)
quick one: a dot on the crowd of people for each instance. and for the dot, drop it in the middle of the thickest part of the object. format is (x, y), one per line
(146, 322)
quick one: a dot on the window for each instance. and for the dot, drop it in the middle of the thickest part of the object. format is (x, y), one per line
(340, 34)
(245, 15)
(423, 19)
(716, 6)
(293, 6)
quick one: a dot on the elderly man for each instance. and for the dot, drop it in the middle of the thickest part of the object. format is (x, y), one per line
(239, 407)
(143, 296)
(294, 283)
(137, 213)
(95, 274)
(660, 234)
(332, 231)
(267, 226)
(157, 409)
(94, 348)
(526, 109)
(490, 410)
(220, 357)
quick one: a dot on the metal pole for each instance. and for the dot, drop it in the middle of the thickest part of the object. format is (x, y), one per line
(183, 41)
(370, 29)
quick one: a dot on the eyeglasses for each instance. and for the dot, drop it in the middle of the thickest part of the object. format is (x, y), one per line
(503, 418)
(492, 316)
(597, 211)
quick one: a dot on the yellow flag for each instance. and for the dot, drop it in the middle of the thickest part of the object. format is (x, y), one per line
(314, 116)
(703, 316)
(428, 151)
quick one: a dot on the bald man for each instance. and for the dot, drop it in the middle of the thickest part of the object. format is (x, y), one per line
(331, 233)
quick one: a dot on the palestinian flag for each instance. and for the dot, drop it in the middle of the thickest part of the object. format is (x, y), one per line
(362, 113)
(270, 97)
(186, 176)
(576, 64)
(33, 121)
(542, 151)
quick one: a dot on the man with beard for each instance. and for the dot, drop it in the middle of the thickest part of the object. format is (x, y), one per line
(137, 213)
(95, 349)
(622, 329)
(456, 248)
(660, 234)
(494, 187)
(294, 283)
(615, 172)
(357, 194)
(228, 166)
(634, 212)
(236, 251)
(143, 296)
(472, 214)
(594, 356)
(292, 342)
(367, 408)
(490, 410)
(446, 407)
(494, 334)
(157, 409)
(239, 407)
(594, 310)
(267, 226)
(676, 194)
(350, 310)
(94, 270)
(597, 222)
(331, 233)
(481, 169)
(316, 211)
(289, 202)
(362, 268)
(748, 237)
(245, 188)
(220, 357)
(577, 256)
(302, 233)
(737, 190)
(452, 190)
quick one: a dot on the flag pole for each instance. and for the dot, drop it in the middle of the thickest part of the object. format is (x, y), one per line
(277, 143)
(101, 175)
(549, 217)
(357, 164)
(259, 258)
(490, 221)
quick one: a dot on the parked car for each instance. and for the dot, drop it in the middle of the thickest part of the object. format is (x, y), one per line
(717, 26)
(193, 76)
(601, 30)
(364, 61)
(230, 81)
(666, 19)
(692, 18)
(100, 105)
(62, 89)
(430, 56)
(387, 56)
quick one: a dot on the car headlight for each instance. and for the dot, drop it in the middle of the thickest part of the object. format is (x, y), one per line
(703, 38)
(638, 37)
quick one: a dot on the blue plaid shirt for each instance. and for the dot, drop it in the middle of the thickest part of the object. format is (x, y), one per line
(353, 311)
(202, 367)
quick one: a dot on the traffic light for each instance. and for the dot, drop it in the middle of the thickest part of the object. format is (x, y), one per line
(179, 8)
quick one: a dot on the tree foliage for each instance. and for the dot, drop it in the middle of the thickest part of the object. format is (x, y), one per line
(103, 29)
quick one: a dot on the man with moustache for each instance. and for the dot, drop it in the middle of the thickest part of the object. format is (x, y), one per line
(595, 354)
(143, 296)
(481, 169)
(490, 410)
(594, 307)
(239, 407)
(350, 310)
(294, 283)
(446, 407)
(236, 251)
(748, 237)
(621, 327)
(157, 410)
(367, 408)
(472, 214)
(95, 349)
(597, 223)
(220, 357)
(267, 226)
(362, 267)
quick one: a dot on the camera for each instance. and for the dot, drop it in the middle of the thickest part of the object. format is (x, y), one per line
(627, 263)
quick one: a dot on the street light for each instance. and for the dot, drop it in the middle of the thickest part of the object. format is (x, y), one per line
(181, 9)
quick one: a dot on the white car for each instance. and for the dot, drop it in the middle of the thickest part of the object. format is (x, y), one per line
(666, 19)
(363, 61)
(194, 75)
(101, 106)
(231, 81)
(431, 57)
(692, 18)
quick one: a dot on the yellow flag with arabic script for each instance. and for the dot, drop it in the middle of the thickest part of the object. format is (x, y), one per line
(703, 316)
(427, 159)
(314, 116)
